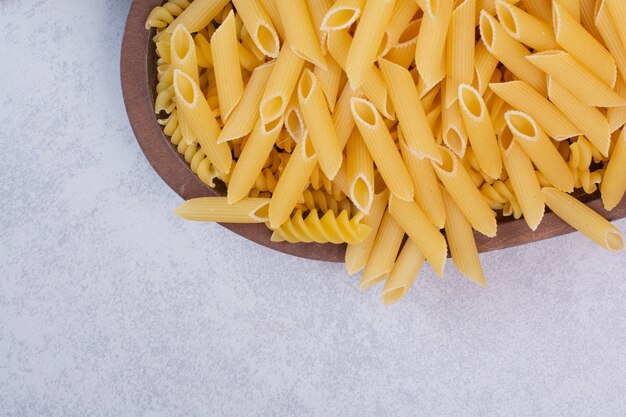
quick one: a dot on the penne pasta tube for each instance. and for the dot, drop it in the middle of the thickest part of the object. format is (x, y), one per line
(342, 116)
(272, 10)
(252, 158)
(523, 179)
(608, 30)
(589, 120)
(424, 234)
(245, 115)
(458, 183)
(402, 55)
(460, 50)
(382, 148)
(417, 134)
(582, 46)
(360, 173)
(461, 241)
(226, 65)
(431, 41)
(342, 15)
(617, 115)
(523, 97)
(510, 52)
(453, 130)
(259, 25)
(489, 6)
(562, 67)
(318, 9)
(584, 219)
(540, 150)
(403, 273)
(198, 15)
(367, 39)
(281, 84)
(484, 67)
(539, 8)
(294, 123)
(357, 254)
(198, 114)
(329, 80)
(319, 124)
(526, 28)
(614, 181)
(480, 130)
(217, 209)
(302, 36)
(588, 18)
(570, 6)
(401, 16)
(383, 253)
(292, 182)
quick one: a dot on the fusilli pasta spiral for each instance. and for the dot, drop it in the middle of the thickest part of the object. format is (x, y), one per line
(330, 228)
(162, 16)
(500, 196)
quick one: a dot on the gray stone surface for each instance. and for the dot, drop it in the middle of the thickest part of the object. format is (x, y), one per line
(112, 306)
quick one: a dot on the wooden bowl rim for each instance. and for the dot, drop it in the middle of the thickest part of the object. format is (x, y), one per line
(138, 78)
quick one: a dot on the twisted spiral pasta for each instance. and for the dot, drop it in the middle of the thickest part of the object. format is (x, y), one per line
(581, 157)
(161, 16)
(266, 181)
(321, 181)
(327, 229)
(319, 200)
(500, 196)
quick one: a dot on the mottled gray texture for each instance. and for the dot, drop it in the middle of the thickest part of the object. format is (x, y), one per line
(111, 306)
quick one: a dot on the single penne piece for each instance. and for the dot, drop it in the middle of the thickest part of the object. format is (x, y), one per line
(357, 254)
(272, 10)
(427, 191)
(461, 241)
(460, 50)
(342, 15)
(453, 130)
(539, 8)
(510, 52)
(342, 116)
(584, 219)
(383, 253)
(588, 18)
(329, 80)
(582, 46)
(458, 183)
(523, 179)
(252, 158)
(382, 148)
(617, 115)
(294, 123)
(302, 36)
(217, 209)
(588, 119)
(424, 234)
(292, 182)
(226, 65)
(431, 41)
(523, 97)
(403, 273)
(402, 55)
(480, 130)
(417, 134)
(319, 124)
(608, 30)
(484, 67)
(540, 149)
(401, 16)
(367, 39)
(360, 173)
(245, 115)
(198, 15)
(526, 28)
(198, 114)
(259, 24)
(281, 84)
(562, 67)
(318, 9)
(614, 181)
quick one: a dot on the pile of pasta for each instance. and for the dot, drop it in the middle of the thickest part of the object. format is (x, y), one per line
(397, 126)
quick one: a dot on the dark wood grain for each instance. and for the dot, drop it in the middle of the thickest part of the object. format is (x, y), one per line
(138, 75)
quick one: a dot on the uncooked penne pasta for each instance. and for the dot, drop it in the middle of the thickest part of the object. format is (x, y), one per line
(539, 8)
(342, 116)
(272, 10)
(384, 252)
(217, 209)
(294, 123)
(526, 28)
(302, 36)
(198, 15)
(584, 219)
(614, 181)
(259, 25)
(588, 18)
(424, 234)
(329, 80)
(540, 149)
(461, 242)
(461, 188)
(608, 30)
(382, 148)
(367, 38)
(226, 65)
(403, 273)
(402, 15)
(453, 129)
(358, 253)
(617, 115)
(342, 15)
(198, 114)
(510, 52)
(360, 173)
(417, 134)
(562, 67)
(431, 41)
(244, 116)
(460, 50)
(319, 124)
(484, 67)
(489, 6)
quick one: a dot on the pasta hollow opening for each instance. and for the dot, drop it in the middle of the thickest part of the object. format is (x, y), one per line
(306, 85)
(447, 161)
(268, 40)
(521, 125)
(268, 127)
(486, 30)
(383, 45)
(394, 295)
(410, 32)
(507, 19)
(309, 150)
(294, 124)
(181, 43)
(184, 87)
(454, 141)
(272, 108)
(615, 241)
(362, 193)
(339, 19)
(262, 212)
(471, 101)
(365, 112)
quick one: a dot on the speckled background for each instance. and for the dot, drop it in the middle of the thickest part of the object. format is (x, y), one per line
(111, 306)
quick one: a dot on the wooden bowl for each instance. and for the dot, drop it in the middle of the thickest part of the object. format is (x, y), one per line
(138, 74)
